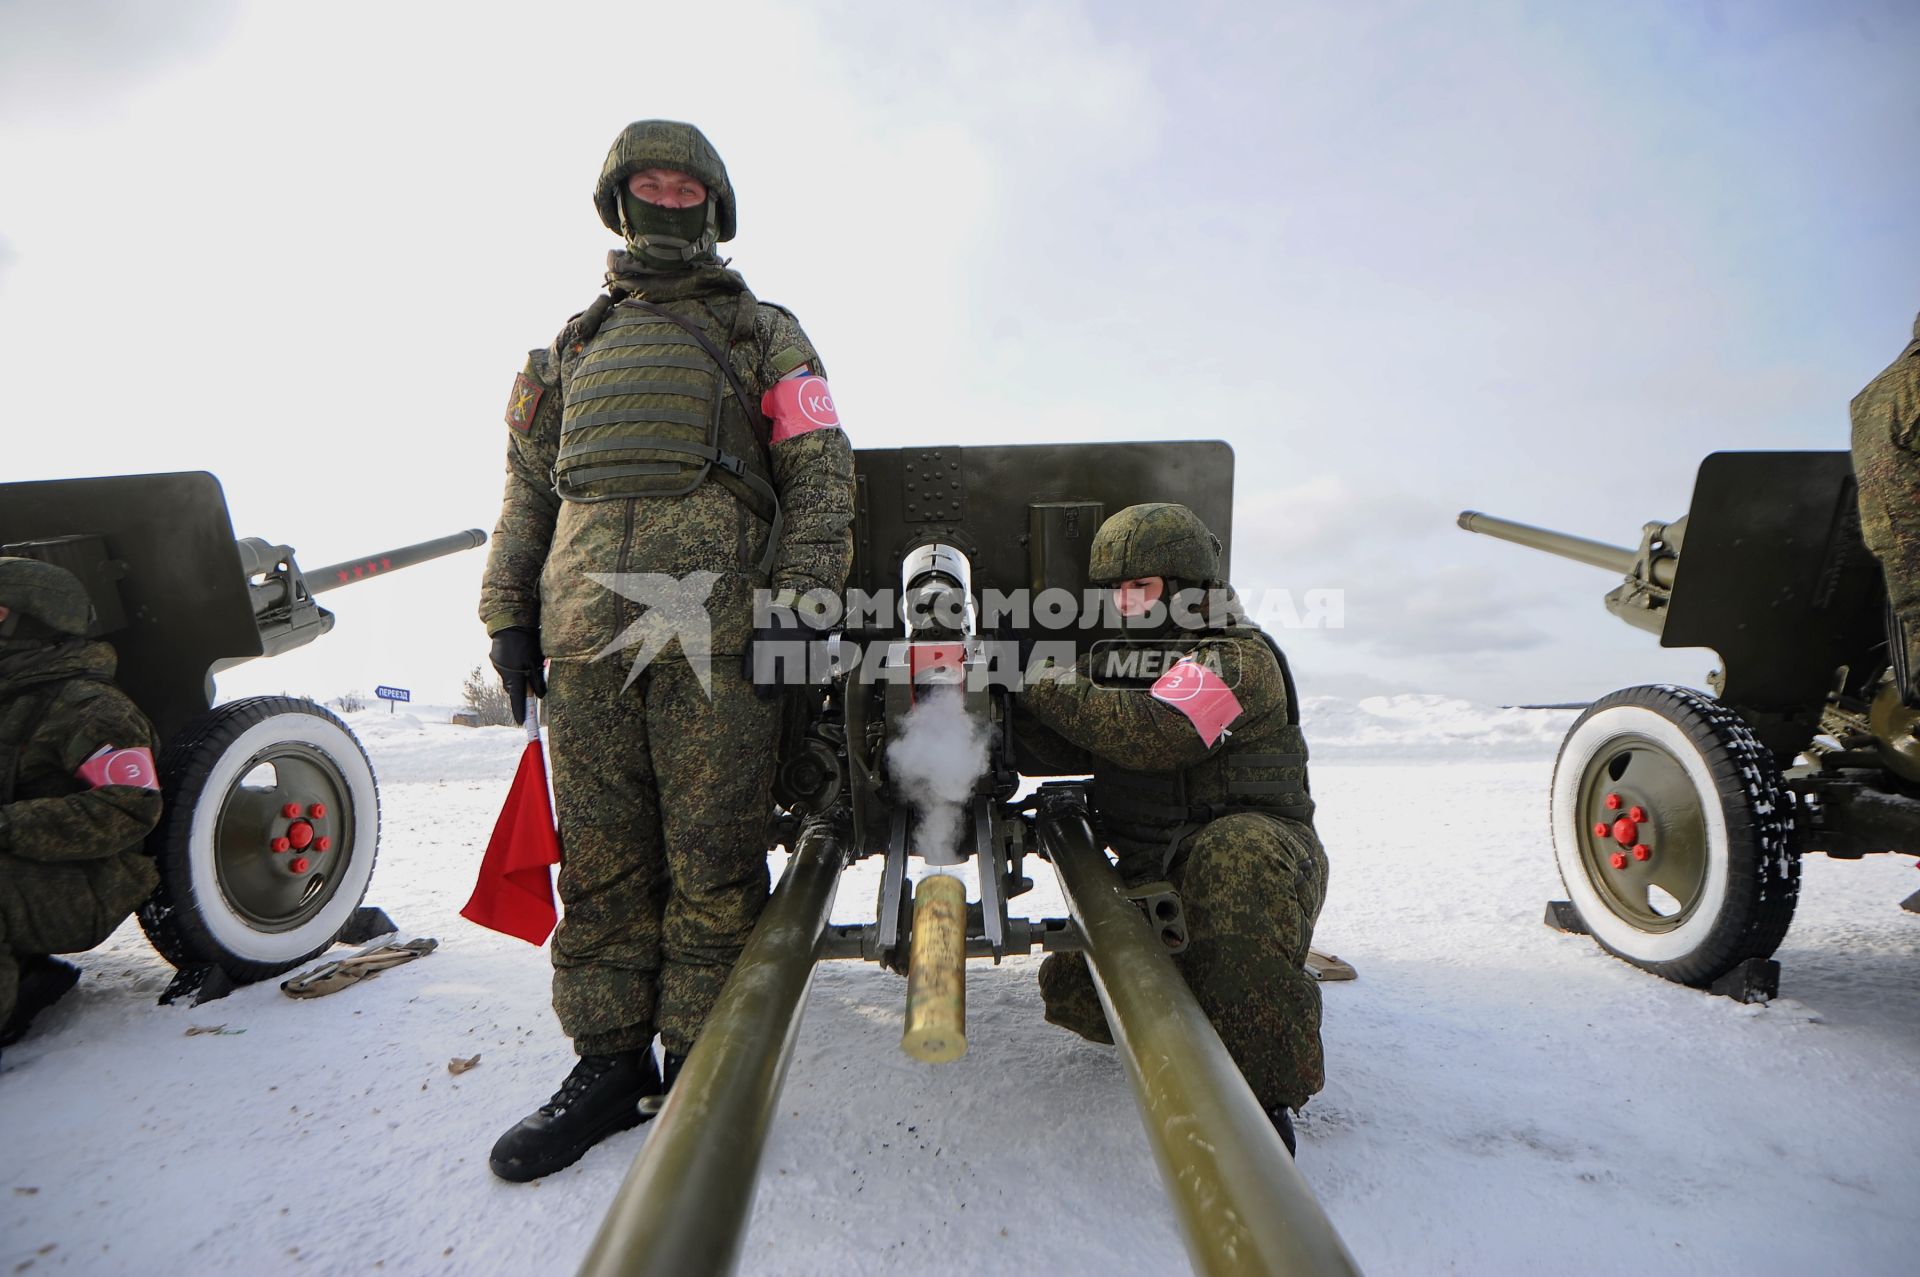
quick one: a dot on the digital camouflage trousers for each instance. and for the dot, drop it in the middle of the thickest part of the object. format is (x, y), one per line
(63, 907)
(1251, 887)
(664, 804)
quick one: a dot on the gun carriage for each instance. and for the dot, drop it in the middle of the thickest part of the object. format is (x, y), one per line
(943, 536)
(272, 816)
(1680, 816)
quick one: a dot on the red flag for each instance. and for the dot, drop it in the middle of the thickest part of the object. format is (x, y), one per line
(515, 892)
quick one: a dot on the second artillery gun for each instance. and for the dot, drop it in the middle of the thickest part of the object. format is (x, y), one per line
(272, 816)
(1679, 817)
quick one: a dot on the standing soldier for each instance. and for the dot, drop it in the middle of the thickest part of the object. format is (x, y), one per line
(1200, 778)
(673, 451)
(1886, 459)
(78, 790)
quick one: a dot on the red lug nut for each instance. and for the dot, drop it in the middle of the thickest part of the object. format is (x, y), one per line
(290, 810)
(317, 811)
(281, 844)
(1600, 829)
(1637, 815)
(299, 864)
(323, 843)
(1618, 861)
(1613, 802)
(1641, 851)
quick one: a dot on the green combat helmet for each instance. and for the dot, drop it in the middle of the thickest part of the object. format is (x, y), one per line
(1156, 539)
(50, 595)
(665, 237)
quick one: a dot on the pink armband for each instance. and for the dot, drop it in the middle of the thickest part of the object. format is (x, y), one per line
(1201, 695)
(798, 405)
(130, 767)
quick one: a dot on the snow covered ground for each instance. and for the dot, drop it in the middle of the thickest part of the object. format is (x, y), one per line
(1501, 1099)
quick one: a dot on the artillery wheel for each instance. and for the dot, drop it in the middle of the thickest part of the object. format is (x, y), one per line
(1674, 833)
(272, 821)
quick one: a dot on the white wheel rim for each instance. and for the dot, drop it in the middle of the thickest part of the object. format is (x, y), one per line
(1583, 745)
(232, 933)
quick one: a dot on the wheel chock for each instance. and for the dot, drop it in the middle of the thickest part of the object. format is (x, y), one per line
(1562, 916)
(1912, 903)
(1755, 980)
(203, 982)
(366, 923)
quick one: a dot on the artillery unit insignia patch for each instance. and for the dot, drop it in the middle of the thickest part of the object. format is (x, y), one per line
(523, 402)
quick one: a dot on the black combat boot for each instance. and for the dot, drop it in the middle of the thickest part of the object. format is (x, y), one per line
(43, 982)
(601, 1096)
(1283, 1123)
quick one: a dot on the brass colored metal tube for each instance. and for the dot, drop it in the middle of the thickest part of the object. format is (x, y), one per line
(936, 1030)
(684, 1206)
(1242, 1205)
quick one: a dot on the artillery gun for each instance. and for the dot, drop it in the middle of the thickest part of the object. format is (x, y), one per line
(1679, 816)
(272, 816)
(945, 541)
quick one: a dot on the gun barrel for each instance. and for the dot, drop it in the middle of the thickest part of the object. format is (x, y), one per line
(683, 1207)
(1241, 1203)
(335, 575)
(1599, 554)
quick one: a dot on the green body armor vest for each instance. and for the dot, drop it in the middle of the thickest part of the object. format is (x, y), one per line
(646, 413)
(1263, 768)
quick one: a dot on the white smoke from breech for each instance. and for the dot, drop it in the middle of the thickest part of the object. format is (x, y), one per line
(934, 761)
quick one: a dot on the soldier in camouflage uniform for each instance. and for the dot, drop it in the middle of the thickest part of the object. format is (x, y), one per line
(1886, 459)
(1227, 820)
(78, 791)
(677, 431)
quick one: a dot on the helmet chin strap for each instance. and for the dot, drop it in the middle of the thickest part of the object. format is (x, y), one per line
(661, 248)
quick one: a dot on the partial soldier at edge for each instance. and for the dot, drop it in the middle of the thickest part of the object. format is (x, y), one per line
(78, 790)
(1886, 461)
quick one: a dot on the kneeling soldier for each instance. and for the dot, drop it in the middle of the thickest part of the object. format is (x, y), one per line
(1199, 777)
(78, 790)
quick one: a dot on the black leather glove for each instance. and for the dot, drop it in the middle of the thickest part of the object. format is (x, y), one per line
(785, 658)
(516, 658)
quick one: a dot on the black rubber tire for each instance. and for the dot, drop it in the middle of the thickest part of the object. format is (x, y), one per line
(1748, 854)
(190, 919)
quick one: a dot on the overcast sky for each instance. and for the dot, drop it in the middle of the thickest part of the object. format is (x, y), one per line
(1535, 259)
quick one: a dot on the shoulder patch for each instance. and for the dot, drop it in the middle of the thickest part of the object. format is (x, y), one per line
(523, 402)
(787, 360)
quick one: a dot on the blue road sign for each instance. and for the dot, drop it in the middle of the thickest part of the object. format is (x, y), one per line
(393, 693)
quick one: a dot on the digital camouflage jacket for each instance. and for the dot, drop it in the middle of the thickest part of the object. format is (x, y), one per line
(1155, 779)
(58, 709)
(544, 547)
